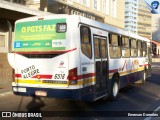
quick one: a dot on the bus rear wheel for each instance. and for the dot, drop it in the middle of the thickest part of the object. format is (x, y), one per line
(114, 88)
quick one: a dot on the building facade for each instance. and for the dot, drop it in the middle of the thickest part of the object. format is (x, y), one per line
(144, 20)
(138, 18)
(11, 10)
(131, 15)
(106, 11)
(155, 34)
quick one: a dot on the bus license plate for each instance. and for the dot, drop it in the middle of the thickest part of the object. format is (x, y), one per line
(40, 93)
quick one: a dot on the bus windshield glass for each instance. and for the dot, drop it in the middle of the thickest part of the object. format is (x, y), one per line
(40, 35)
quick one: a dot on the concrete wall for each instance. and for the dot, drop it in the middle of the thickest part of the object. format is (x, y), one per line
(5, 69)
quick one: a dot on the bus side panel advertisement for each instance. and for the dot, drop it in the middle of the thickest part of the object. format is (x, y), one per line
(39, 35)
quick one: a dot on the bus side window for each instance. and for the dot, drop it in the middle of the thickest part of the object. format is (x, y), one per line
(133, 48)
(114, 47)
(140, 49)
(144, 47)
(125, 47)
(86, 46)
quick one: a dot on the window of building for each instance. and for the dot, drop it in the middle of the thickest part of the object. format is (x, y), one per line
(22, 2)
(105, 6)
(125, 47)
(96, 4)
(113, 8)
(85, 2)
(2, 40)
(86, 46)
(114, 47)
(78, 1)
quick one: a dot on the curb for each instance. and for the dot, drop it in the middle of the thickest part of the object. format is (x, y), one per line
(6, 93)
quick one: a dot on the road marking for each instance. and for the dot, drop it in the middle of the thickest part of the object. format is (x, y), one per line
(156, 66)
(149, 118)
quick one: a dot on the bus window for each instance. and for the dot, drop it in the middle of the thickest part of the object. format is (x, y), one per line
(86, 41)
(96, 47)
(103, 48)
(125, 47)
(140, 50)
(133, 48)
(149, 55)
(144, 47)
(114, 48)
(114, 40)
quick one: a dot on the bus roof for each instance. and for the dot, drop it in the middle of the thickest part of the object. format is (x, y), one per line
(110, 28)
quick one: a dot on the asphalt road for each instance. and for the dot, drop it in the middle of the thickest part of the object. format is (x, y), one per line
(132, 99)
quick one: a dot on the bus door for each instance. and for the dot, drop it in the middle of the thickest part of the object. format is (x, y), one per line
(100, 51)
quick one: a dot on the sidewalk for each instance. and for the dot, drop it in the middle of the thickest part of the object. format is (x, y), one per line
(5, 88)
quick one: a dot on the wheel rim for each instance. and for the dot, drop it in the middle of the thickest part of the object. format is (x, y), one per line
(144, 76)
(115, 89)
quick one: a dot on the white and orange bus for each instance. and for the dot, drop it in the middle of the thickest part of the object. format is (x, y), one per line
(72, 57)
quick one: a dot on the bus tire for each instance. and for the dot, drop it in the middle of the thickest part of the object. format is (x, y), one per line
(144, 77)
(114, 88)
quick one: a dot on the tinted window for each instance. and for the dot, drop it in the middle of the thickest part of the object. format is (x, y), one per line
(86, 41)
